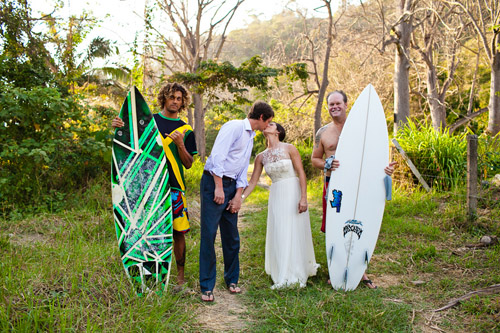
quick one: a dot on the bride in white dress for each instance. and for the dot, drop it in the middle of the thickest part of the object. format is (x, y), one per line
(289, 249)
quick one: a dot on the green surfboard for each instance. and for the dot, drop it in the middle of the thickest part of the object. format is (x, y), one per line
(142, 206)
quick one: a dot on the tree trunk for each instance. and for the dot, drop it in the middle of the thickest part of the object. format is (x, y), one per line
(321, 93)
(438, 110)
(147, 73)
(324, 79)
(402, 67)
(190, 116)
(199, 125)
(494, 105)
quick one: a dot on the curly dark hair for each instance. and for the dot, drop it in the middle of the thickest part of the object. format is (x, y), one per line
(169, 89)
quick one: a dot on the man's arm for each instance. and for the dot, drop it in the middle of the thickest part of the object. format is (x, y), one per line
(225, 138)
(219, 190)
(318, 150)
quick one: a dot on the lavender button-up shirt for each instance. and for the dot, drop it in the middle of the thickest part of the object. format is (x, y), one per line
(231, 152)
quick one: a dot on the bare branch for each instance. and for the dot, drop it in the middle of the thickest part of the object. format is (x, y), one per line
(474, 21)
(466, 119)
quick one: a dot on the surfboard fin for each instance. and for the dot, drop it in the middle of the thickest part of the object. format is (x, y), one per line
(345, 277)
(388, 187)
(330, 255)
(367, 260)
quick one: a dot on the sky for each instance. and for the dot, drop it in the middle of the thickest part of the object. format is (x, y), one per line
(121, 20)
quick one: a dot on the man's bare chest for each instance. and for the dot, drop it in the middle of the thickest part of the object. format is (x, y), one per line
(330, 141)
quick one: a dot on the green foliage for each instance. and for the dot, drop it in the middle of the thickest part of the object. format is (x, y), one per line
(305, 152)
(24, 58)
(72, 64)
(489, 155)
(218, 116)
(482, 306)
(298, 124)
(212, 76)
(50, 141)
(193, 175)
(49, 145)
(440, 157)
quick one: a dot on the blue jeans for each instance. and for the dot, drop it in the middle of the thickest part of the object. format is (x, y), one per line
(213, 216)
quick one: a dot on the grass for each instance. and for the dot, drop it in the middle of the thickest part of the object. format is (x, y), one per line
(62, 271)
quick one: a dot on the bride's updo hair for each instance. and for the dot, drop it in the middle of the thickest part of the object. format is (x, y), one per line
(281, 131)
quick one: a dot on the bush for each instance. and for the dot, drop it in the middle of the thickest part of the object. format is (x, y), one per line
(49, 145)
(489, 156)
(440, 157)
(218, 116)
(305, 152)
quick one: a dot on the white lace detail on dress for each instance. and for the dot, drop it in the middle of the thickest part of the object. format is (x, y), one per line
(273, 155)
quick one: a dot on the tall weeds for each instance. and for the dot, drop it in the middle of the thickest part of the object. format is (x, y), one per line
(441, 158)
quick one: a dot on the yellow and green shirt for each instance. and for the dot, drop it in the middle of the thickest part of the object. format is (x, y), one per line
(175, 167)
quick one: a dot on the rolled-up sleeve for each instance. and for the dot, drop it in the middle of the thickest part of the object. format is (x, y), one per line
(242, 181)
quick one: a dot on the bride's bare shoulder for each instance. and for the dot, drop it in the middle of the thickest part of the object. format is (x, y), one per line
(289, 148)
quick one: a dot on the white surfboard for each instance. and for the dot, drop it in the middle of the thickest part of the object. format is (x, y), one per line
(356, 193)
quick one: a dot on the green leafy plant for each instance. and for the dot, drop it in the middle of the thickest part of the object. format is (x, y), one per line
(489, 155)
(49, 145)
(440, 157)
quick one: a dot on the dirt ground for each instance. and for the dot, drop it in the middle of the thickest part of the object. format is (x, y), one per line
(227, 313)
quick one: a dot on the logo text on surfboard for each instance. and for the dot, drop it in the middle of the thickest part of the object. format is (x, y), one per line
(353, 226)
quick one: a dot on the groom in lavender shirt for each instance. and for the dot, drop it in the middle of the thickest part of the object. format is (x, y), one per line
(221, 187)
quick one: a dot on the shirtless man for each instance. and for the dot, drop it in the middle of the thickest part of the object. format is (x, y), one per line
(325, 145)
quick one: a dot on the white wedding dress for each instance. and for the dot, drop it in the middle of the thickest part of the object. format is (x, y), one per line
(289, 247)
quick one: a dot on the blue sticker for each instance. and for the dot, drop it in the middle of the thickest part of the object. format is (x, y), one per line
(337, 200)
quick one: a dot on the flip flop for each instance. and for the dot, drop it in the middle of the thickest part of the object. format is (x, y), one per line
(234, 289)
(367, 283)
(208, 294)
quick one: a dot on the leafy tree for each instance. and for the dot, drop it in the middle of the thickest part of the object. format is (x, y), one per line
(50, 141)
(212, 77)
(24, 59)
(73, 66)
(484, 16)
(195, 38)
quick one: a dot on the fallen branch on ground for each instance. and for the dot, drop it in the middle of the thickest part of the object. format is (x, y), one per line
(494, 289)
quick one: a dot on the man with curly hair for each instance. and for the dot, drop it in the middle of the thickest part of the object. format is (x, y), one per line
(180, 146)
